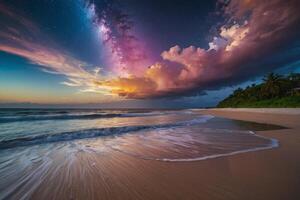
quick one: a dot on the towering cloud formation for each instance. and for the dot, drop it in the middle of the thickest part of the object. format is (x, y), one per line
(255, 29)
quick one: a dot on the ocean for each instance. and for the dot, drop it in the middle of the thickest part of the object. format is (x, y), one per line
(38, 145)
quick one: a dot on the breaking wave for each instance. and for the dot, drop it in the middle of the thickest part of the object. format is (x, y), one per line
(91, 133)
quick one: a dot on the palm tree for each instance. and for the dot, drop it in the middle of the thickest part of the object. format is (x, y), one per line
(272, 85)
(293, 76)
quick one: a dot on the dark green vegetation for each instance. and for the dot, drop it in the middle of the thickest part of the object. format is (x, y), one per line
(275, 91)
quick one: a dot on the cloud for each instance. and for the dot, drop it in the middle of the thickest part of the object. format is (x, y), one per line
(21, 37)
(255, 30)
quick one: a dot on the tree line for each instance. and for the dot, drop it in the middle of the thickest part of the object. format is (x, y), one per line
(275, 91)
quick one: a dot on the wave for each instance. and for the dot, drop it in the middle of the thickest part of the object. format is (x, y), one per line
(56, 117)
(270, 144)
(273, 144)
(91, 133)
(65, 115)
(144, 114)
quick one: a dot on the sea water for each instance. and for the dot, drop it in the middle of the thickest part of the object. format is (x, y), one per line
(39, 144)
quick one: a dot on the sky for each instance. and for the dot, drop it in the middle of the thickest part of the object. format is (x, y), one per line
(141, 53)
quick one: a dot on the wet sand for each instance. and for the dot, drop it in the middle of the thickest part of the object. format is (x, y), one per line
(267, 174)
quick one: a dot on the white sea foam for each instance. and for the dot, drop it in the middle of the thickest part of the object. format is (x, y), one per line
(187, 141)
(274, 144)
(94, 132)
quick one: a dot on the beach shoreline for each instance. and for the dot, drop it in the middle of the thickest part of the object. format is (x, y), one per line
(288, 117)
(267, 174)
(260, 175)
(271, 173)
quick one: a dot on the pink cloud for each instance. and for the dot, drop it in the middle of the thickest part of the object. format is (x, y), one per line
(244, 40)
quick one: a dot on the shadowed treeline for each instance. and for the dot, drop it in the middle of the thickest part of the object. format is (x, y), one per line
(275, 91)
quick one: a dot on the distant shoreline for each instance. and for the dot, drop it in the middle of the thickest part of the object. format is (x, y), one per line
(288, 111)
